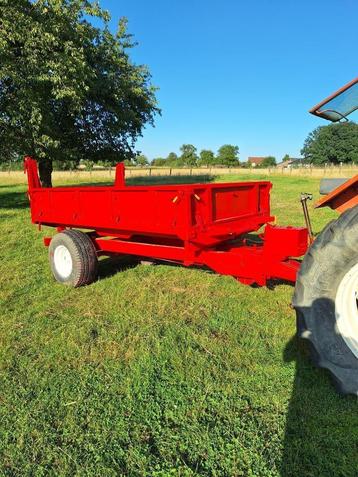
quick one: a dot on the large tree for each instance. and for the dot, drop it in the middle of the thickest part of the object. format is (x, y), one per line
(172, 160)
(334, 143)
(207, 158)
(269, 161)
(68, 89)
(159, 162)
(141, 160)
(228, 155)
(188, 155)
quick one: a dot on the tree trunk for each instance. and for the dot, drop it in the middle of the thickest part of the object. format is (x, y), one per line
(45, 171)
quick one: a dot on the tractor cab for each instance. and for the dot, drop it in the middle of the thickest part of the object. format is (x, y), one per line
(339, 104)
(341, 193)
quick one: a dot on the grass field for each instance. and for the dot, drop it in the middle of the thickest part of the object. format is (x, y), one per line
(160, 371)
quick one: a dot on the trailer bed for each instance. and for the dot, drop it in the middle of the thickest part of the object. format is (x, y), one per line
(204, 213)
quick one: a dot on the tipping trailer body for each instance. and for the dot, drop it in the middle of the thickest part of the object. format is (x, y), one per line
(193, 224)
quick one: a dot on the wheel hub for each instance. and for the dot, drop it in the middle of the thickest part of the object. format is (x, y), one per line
(347, 309)
(63, 261)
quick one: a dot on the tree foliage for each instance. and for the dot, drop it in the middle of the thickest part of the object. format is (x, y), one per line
(172, 160)
(68, 89)
(228, 155)
(269, 161)
(141, 160)
(333, 144)
(207, 158)
(188, 155)
(159, 162)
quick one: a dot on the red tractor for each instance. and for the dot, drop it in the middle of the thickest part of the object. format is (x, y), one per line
(326, 293)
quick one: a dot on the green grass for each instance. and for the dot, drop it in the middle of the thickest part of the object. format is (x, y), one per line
(160, 371)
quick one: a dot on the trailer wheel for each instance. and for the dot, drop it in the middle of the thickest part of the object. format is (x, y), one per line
(73, 258)
(325, 300)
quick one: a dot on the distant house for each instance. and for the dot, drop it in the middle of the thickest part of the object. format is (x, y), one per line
(291, 162)
(255, 161)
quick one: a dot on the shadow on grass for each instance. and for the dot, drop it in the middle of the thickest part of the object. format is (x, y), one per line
(6, 216)
(110, 266)
(14, 200)
(6, 186)
(163, 180)
(321, 434)
(150, 180)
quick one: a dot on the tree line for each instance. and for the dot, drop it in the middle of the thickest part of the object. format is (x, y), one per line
(227, 155)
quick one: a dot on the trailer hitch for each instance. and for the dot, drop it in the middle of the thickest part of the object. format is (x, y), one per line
(304, 198)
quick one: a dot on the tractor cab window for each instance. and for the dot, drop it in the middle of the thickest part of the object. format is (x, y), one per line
(340, 104)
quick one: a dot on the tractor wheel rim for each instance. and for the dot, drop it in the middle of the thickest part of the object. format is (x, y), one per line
(347, 309)
(63, 261)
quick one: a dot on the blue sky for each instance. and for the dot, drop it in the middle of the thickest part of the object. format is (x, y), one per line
(240, 72)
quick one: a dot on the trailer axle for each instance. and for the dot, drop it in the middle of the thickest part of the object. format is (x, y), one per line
(249, 262)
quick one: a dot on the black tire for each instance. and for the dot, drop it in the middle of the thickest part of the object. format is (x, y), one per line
(333, 254)
(82, 263)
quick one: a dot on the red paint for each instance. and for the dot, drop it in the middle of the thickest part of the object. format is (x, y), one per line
(193, 224)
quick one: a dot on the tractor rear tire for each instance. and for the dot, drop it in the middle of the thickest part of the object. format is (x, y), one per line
(325, 300)
(73, 258)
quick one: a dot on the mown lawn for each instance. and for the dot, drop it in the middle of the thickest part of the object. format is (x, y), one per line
(160, 371)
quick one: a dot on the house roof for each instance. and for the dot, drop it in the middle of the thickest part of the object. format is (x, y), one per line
(256, 160)
(291, 160)
(296, 159)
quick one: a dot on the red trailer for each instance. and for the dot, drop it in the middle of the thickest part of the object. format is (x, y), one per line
(192, 224)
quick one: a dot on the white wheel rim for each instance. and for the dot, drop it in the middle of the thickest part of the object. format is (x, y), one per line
(62, 261)
(347, 309)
